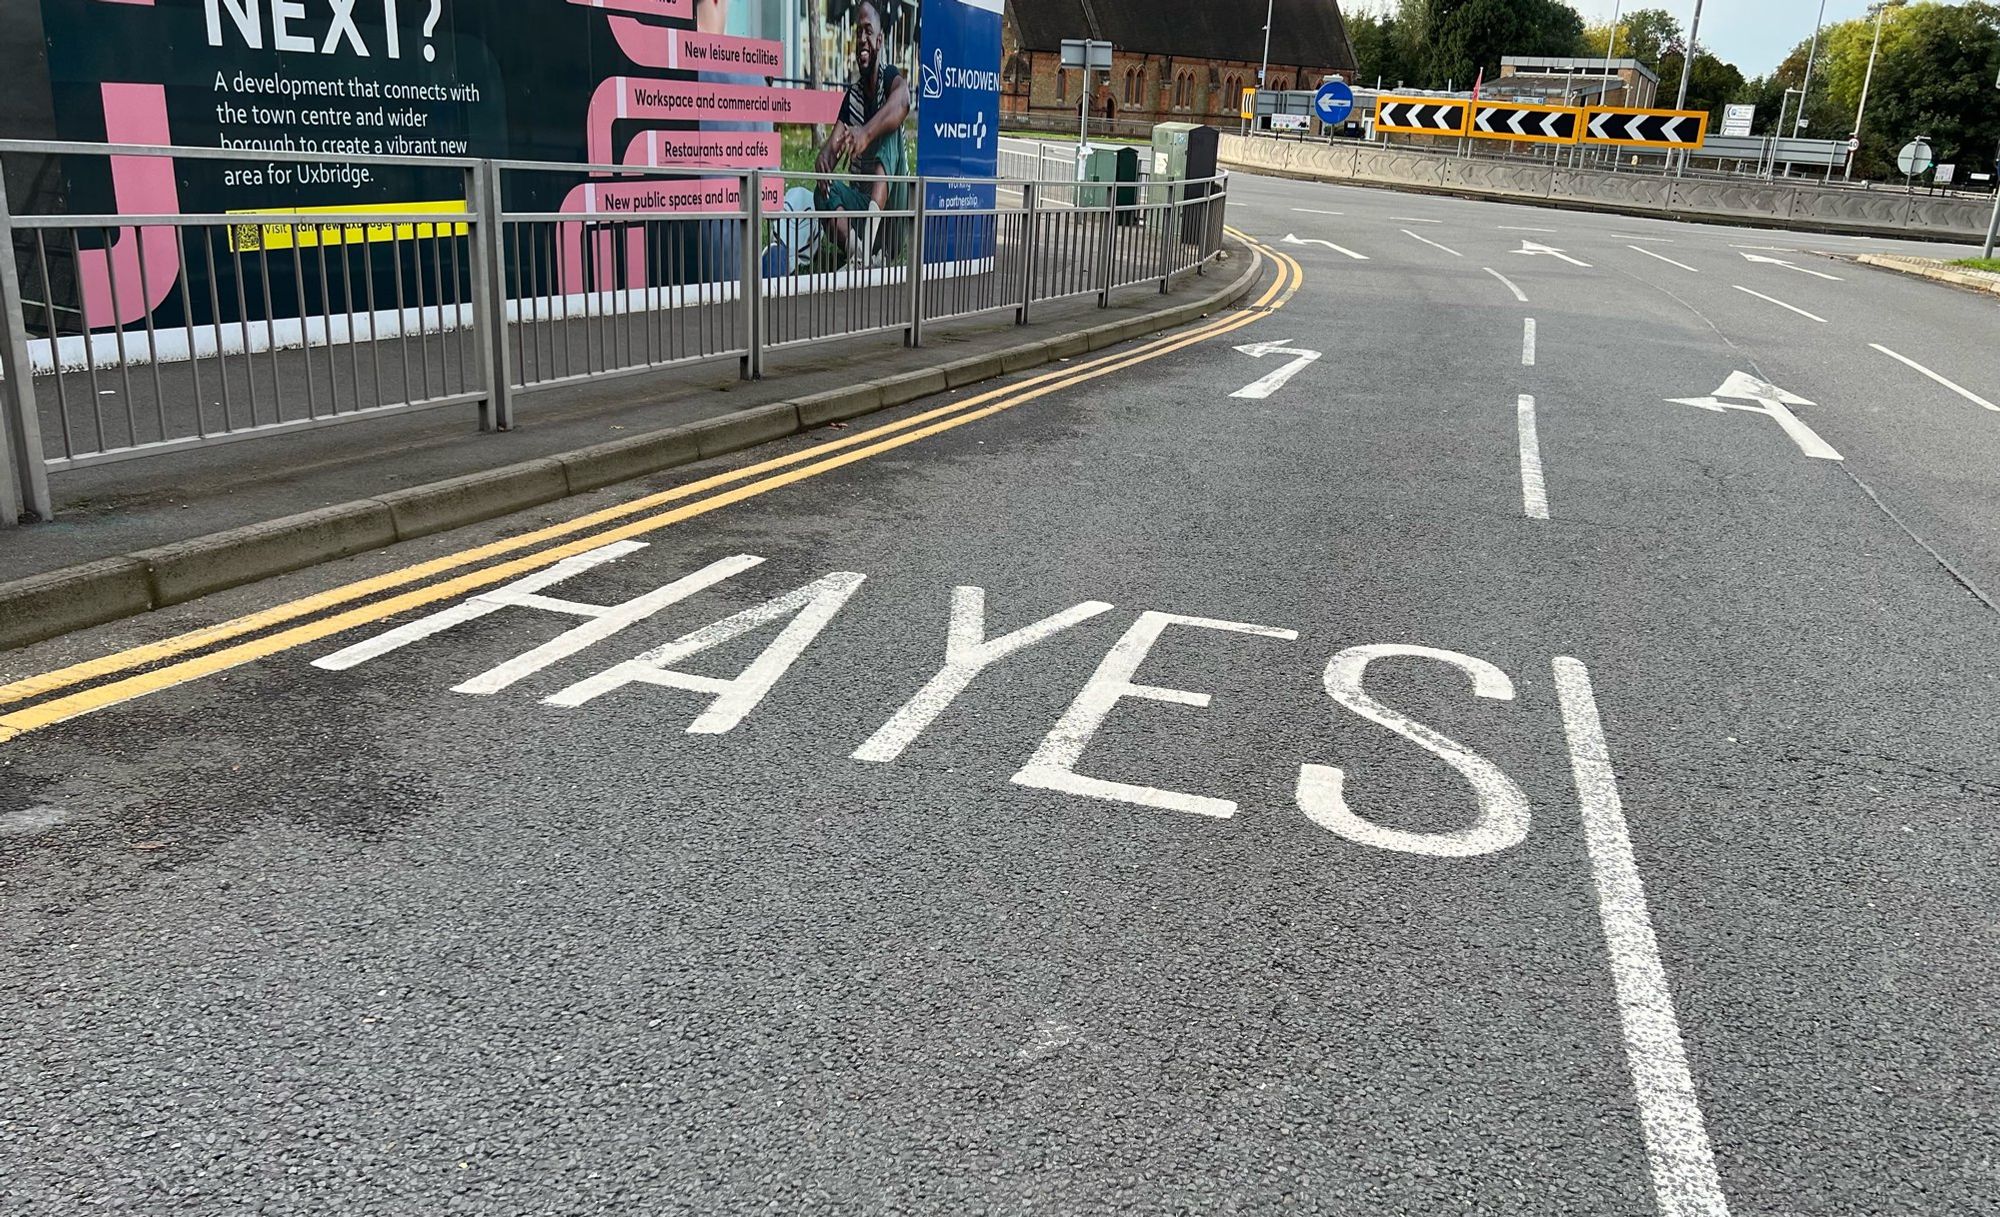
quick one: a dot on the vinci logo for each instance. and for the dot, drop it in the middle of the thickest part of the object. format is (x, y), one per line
(974, 130)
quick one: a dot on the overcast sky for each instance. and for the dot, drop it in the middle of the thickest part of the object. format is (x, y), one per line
(1752, 34)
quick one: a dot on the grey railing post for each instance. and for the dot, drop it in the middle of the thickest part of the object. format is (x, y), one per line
(1105, 246)
(914, 334)
(1029, 237)
(24, 480)
(752, 289)
(490, 334)
(1170, 218)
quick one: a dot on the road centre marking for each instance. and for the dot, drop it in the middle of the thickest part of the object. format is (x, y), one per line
(1664, 258)
(1518, 293)
(1426, 240)
(1534, 491)
(1682, 1162)
(1959, 389)
(811, 463)
(1780, 303)
(1528, 342)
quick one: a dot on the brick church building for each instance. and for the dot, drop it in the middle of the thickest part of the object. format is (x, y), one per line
(1173, 60)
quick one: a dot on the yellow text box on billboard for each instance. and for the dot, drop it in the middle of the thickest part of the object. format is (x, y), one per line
(1525, 122)
(1421, 115)
(1645, 128)
(248, 238)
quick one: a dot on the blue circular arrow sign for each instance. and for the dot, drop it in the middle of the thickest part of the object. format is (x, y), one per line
(1334, 102)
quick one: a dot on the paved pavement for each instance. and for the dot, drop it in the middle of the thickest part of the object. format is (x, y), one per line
(1376, 828)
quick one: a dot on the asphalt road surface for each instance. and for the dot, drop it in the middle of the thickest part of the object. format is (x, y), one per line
(1517, 740)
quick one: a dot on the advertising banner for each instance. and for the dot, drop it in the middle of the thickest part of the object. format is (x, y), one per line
(958, 140)
(807, 86)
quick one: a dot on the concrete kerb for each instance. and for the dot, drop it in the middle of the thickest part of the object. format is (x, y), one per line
(1937, 274)
(77, 597)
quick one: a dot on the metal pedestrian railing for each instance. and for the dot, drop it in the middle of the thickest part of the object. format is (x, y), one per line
(146, 330)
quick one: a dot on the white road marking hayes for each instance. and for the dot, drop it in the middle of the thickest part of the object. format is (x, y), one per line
(1294, 239)
(810, 607)
(1780, 303)
(1534, 491)
(1426, 240)
(1804, 270)
(1677, 1148)
(967, 653)
(1959, 389)
(1534, 247)
(1528, 342)
(1053, 766)
(1503, 816)
(1518, 293)
(1769, 399)
(1664, 258)
(1270, 383)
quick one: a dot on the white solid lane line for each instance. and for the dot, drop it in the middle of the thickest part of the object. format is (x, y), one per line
(1415, 220)
(1426, 240)
(1314, 211)
(1516, 228)
(1627, 236)
(1534, 492)
(1959, 389)
(1528, 342)
(1518, 293)
(1677, 1149)
(1662, 257)
(1780, 303)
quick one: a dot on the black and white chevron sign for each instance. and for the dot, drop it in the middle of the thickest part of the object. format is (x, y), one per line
(1446, 118)
(1633, 127)
(1526, 122)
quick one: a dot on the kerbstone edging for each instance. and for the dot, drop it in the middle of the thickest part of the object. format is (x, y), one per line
(93, 593)
(1939, 274)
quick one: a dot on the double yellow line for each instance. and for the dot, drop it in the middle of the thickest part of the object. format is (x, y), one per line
(547, 545)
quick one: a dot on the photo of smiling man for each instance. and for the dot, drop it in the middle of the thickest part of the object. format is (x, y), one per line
(867, 144)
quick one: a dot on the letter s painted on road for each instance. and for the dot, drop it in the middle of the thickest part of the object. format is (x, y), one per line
(1503, 808)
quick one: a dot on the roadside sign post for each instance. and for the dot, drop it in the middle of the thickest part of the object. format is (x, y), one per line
(1993, 225)
(1087, 56)
(1333, 103)
(1915, 158)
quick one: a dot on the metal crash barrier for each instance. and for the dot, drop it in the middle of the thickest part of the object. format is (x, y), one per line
(143, 334)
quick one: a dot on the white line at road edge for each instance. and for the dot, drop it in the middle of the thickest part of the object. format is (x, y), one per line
(1426, 240)
(1518, 293)
(1534, 492)
(1528, 342)
(1682, 1163)
(1959, 389)
(1664, 258)
(1780, 303)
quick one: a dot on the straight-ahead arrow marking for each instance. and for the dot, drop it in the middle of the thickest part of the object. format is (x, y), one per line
(1819, 274)
(1293, 239)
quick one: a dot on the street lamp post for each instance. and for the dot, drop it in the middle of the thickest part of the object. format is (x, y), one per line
(1868, 78)
(1264, 69)
(1687, 70)
(1812, 53)
(1778, 132)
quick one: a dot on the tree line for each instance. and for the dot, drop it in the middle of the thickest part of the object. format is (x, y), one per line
(1935, 74)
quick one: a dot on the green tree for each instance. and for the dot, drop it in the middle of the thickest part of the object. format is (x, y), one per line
(1712, 84)
(1464, 37)
(1646, 34)
(1938, 82)
(1381, 49)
